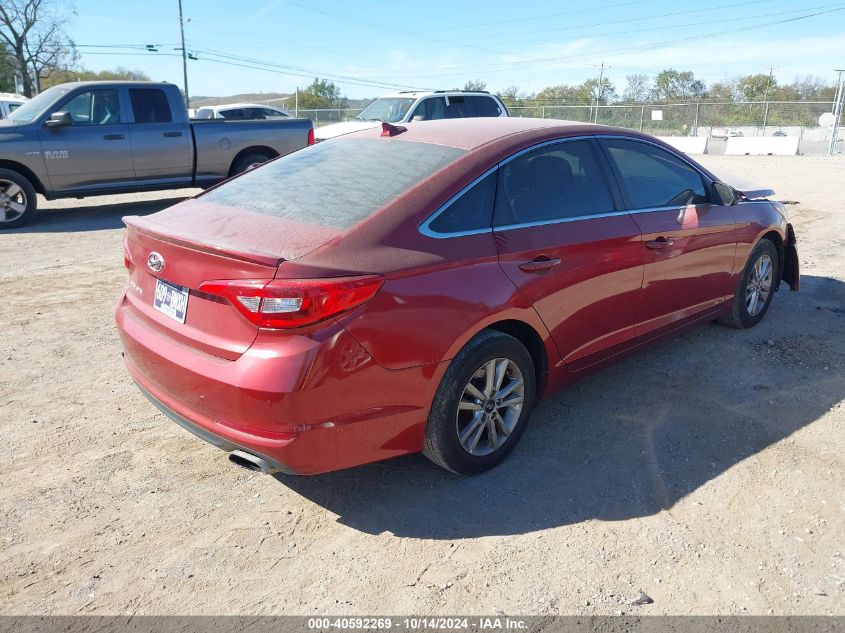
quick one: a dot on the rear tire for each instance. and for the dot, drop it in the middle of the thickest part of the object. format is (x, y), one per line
(248, 162)
(467, 434)
(17, 199)
(757, 286)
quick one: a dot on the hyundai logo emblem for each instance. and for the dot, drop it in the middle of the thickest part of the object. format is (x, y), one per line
(155, 262)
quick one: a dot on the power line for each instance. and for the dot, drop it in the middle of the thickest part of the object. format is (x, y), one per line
(639, 48)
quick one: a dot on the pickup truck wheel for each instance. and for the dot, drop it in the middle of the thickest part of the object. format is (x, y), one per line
(248, 162)
(17, 200)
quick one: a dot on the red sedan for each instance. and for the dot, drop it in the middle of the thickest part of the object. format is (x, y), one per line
(419, 289)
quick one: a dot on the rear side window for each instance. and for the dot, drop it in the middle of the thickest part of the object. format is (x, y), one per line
(552, 183)
(457, 107)
(236, 113)
(336, 183)
(483, 106)
(149, 105)
(472, 211)
(653, 177)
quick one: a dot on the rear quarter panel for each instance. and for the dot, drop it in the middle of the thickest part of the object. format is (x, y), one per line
(219, 141)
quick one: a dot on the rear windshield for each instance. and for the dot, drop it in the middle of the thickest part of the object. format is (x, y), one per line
(336, 183)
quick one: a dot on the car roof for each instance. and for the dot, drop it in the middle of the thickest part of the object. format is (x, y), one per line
(471, 133)
(416, 94)
(221, 106)
(10, 96)
(115, 82)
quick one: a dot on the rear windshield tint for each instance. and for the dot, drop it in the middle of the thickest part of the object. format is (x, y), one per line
(336, 183)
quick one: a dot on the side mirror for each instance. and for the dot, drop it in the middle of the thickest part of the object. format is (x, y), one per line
(724, 194)
(418, 117)
(59, 119)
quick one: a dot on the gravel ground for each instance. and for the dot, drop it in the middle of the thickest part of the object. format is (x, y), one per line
(706, 472)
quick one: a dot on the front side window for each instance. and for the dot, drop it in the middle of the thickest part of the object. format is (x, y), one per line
(235, 113)
(149, 105)
(653, 177)
(93, 107)
(430, 109)
(472, 211)
(556, 182)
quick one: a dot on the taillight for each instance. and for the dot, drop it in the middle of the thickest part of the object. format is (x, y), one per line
(127, 258)
(288, 303)
(311, 136)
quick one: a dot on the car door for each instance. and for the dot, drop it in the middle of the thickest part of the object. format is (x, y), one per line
(689, 242)
(161, 148)
(94, 151)
(564, 240)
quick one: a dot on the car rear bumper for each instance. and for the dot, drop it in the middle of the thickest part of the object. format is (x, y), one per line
(303, 403)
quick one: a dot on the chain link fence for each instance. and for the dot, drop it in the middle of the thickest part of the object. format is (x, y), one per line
(714, 120)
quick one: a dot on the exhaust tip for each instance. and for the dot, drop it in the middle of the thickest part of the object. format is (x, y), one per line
(251, 462)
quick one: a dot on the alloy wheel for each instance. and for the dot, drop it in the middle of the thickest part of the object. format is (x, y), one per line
(12, 201)
(759, 285)
(490, 406)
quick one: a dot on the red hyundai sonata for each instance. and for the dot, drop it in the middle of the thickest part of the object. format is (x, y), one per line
(419, 289)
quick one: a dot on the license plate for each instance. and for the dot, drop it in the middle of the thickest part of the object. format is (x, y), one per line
(171, 299)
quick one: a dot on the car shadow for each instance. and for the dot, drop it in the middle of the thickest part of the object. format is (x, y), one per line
(628, 441)
(96, 216)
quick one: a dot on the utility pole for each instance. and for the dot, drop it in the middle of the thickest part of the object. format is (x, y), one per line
(837, 111)
(184, 56)
(766, 99)
(600, 93)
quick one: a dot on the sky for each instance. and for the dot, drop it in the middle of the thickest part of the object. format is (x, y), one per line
(372, 48)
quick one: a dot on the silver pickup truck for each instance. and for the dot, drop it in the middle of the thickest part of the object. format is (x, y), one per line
(90, 138)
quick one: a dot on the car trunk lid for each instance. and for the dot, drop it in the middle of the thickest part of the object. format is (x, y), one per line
(198, 242)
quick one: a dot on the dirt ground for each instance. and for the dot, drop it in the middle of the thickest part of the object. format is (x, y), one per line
(706, 472)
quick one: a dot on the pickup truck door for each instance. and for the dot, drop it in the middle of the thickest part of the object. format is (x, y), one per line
(161, 145)
(94, 152)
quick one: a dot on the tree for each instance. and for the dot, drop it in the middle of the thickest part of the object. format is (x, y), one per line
(7, 70)
(58, 76)
(322, 93)
(673, 85)
(756, 87)
(637, 89)
(590, 91)
(558, 95)
(721, 91)
(810, 88)
(34, 31)
(476, 85)
(511, 96)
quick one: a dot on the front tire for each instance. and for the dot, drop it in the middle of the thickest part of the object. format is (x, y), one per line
(757, 286)
(17, 200)
(482, 404)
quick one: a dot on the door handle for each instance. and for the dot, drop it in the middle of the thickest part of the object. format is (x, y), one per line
(540, 264)
(113, 137)
(172, 134)
(659, 243)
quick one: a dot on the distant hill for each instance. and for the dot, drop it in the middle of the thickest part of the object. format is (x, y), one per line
(275, 99)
